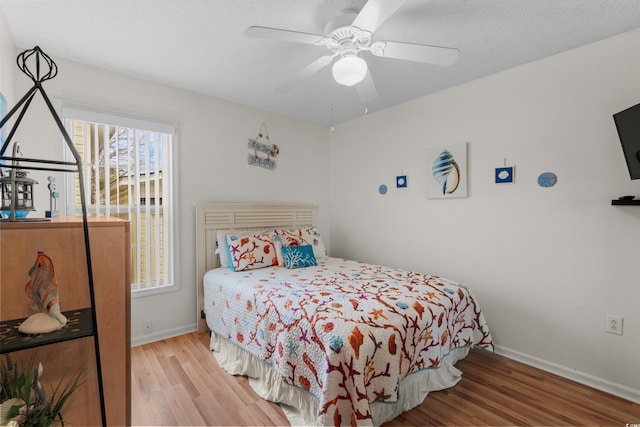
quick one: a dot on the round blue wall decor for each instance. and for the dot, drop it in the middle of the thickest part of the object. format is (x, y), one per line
(547, 179)
(382, 189)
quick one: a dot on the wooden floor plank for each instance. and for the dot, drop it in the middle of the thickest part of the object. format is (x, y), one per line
(178, 382)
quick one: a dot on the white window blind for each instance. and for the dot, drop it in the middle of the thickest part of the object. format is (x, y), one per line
(128, 166)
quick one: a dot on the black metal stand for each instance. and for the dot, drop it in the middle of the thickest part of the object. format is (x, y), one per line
(50, 71)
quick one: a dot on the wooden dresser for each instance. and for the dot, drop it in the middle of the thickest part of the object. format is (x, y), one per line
(63, 240)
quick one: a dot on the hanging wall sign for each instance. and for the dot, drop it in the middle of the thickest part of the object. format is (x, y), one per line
(263, 151)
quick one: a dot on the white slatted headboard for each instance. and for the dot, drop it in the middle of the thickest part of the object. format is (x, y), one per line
(211, 217)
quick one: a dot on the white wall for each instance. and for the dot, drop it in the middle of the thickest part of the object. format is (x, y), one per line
(547, 264)
(7, 62)
(212, 140)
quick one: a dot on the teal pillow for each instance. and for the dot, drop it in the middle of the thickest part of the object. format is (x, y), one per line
(298, 256)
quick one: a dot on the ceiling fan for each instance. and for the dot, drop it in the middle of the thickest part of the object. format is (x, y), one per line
(348, 36)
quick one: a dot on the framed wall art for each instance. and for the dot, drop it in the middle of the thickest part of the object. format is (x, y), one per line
(504, 175)
(447, 171)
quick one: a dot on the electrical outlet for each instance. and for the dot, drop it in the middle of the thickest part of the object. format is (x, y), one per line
(613, 324)
(147, 327)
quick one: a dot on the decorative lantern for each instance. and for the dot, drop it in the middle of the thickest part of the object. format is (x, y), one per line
(17, 191)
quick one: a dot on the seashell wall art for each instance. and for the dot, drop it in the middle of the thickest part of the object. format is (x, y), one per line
(448, 171)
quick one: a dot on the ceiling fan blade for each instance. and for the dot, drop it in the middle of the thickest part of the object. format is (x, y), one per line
(436, 55)
(367, 89)
(306, 72)
(375, 12)
(282, 35)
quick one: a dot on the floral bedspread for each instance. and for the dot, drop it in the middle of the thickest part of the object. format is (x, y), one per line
(345, 331)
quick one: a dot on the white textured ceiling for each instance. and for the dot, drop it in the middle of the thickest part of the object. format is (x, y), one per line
(199, 44)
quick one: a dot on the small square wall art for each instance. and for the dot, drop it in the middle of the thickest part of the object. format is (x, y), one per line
(447, 177)
(504, 175)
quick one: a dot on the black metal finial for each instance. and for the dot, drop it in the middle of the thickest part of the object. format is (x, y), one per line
(40, 75)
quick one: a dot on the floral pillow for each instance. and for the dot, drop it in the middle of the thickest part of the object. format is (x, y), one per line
(222, 248)
(303, 236)
(298, 256)
(251, 252)
(280, 241)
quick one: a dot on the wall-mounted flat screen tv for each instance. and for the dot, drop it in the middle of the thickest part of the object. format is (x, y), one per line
(628, 125)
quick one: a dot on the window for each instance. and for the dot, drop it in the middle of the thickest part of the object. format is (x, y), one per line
(128, 169)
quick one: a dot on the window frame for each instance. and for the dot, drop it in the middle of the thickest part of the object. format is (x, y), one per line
(69, 110)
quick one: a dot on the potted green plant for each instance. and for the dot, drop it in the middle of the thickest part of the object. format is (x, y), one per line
(23, 399)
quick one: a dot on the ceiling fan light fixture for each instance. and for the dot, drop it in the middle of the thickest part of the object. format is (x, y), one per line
(349, 70)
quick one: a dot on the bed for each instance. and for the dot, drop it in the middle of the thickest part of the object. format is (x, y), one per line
(334, 341)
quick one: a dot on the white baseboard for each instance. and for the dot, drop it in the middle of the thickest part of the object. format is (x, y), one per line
(162, 335)
(619, 390)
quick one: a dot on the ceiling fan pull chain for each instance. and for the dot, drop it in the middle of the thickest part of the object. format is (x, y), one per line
(332, 92)
(366, 101)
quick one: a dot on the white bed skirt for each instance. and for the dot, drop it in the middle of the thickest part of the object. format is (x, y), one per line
(301, 407)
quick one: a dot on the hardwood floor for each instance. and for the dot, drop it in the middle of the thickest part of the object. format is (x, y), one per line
(178, 382)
